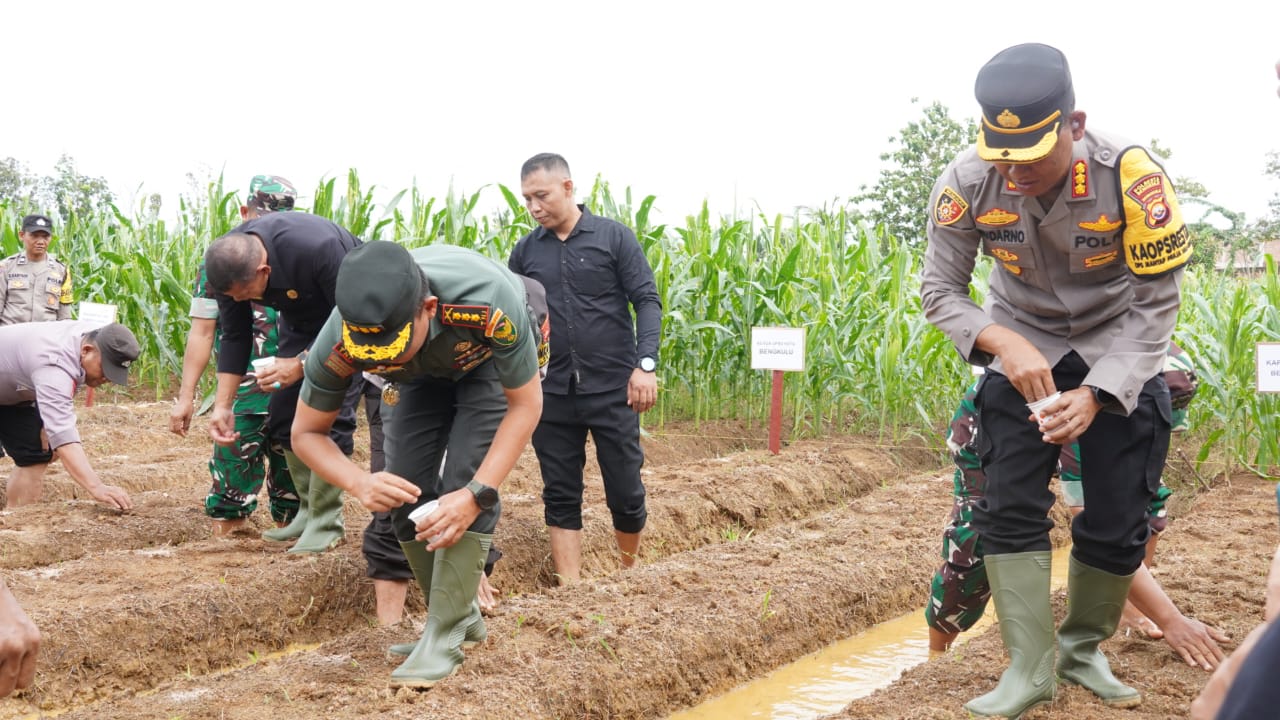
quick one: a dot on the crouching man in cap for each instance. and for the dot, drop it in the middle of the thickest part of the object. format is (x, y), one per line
(453, 335)
(42, 365)
(1089, 247)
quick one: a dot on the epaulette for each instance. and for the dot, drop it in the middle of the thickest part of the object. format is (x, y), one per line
(471, 316)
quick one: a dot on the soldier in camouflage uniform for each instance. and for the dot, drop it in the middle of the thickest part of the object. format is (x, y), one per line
(960, 590)
(238, 472)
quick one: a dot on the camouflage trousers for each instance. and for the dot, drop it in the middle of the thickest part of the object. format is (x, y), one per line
(238, 473)
(959, 591)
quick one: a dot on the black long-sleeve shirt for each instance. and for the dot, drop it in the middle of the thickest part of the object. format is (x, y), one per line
(304, 252)
(593, 279)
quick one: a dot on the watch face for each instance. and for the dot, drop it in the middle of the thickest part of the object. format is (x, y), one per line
(647, 364)
(486, 497)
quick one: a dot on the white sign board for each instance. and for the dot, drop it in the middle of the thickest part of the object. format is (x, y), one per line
(1268, 355)
(98, 312)
(777, 348)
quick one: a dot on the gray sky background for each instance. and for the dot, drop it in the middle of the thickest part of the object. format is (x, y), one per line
(771, 103)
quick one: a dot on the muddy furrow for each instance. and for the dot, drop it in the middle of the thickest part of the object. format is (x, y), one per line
(638, 644)
(116, 622)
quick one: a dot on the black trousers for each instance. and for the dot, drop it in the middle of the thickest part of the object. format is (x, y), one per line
(431, 416)
(560, 443)
(1122, 459)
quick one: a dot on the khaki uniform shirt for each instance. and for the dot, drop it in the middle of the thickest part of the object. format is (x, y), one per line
(30, 293)
(40, 363)
(1099, 272)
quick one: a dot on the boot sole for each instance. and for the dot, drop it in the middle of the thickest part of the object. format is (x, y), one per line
(417, 683)
(466, 645)
(1024, 711)
(1119, 703)
(298, 551)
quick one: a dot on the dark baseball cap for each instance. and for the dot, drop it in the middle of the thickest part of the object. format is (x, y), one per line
(271, 193)
(37, 223)
(1026, 95)
(118, 348)
(379, 291)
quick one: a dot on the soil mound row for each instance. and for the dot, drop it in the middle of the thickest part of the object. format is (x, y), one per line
(157, 606)
(640, 643)
(1212, 562)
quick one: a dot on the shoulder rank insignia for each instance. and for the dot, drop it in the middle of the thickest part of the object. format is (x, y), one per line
(1156, 239)
(500, 329)
(339, 362)
(949, 207)
(997, 216)
(472, 316)
(1079, 179)
(1103, 224)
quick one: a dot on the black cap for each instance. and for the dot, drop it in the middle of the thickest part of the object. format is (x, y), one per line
(378, 293)
(118, 348)
(37, 223)
(1025, 93)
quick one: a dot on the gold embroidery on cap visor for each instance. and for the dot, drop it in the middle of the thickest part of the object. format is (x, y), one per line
(1049, 126)
(360, 351)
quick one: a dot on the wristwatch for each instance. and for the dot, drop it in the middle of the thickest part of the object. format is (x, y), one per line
(648, 364)
(486, 496)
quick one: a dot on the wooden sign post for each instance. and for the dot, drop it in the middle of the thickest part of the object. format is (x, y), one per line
(780, 349)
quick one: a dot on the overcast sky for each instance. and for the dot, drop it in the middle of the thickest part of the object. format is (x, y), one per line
(776, 103)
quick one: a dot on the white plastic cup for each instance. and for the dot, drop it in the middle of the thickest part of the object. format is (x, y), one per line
(424, 511)
(1038, 406)
(262, 363)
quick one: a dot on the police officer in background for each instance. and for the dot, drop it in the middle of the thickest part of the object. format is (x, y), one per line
(455, 337)
(1089, 246)
(288, 261)
(34, 285)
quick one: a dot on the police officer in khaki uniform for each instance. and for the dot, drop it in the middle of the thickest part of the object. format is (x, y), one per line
(454, 335)
(34, 286)
(1089, 245)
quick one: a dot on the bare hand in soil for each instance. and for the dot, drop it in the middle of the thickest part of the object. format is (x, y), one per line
(113, 497)
(382, 491)
(180, 417)
(1196, 642)
(19, 645)
(486, 595)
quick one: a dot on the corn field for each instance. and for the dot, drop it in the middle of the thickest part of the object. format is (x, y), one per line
(874, 365)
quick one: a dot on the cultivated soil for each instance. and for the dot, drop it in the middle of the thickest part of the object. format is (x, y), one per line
(749, 562)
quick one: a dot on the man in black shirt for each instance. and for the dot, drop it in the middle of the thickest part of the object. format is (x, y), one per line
(602, 369)
(288, 261)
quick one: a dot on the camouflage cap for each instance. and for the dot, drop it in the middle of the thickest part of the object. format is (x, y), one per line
(271, 193)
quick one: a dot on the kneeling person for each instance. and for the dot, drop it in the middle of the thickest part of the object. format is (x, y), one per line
(452, 334)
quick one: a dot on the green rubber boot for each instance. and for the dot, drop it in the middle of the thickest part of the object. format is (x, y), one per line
(454, 580)
(1095, 600)
(1020, 589)
(421, 562)
(301, 481)
(324, 525)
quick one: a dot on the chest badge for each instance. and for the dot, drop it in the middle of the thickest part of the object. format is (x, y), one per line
(997, 217)
(292, 294)
(391, 394)
(1103, 224)
(1004, 255)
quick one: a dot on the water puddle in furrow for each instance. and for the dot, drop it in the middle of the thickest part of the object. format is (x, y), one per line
(824, 682)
